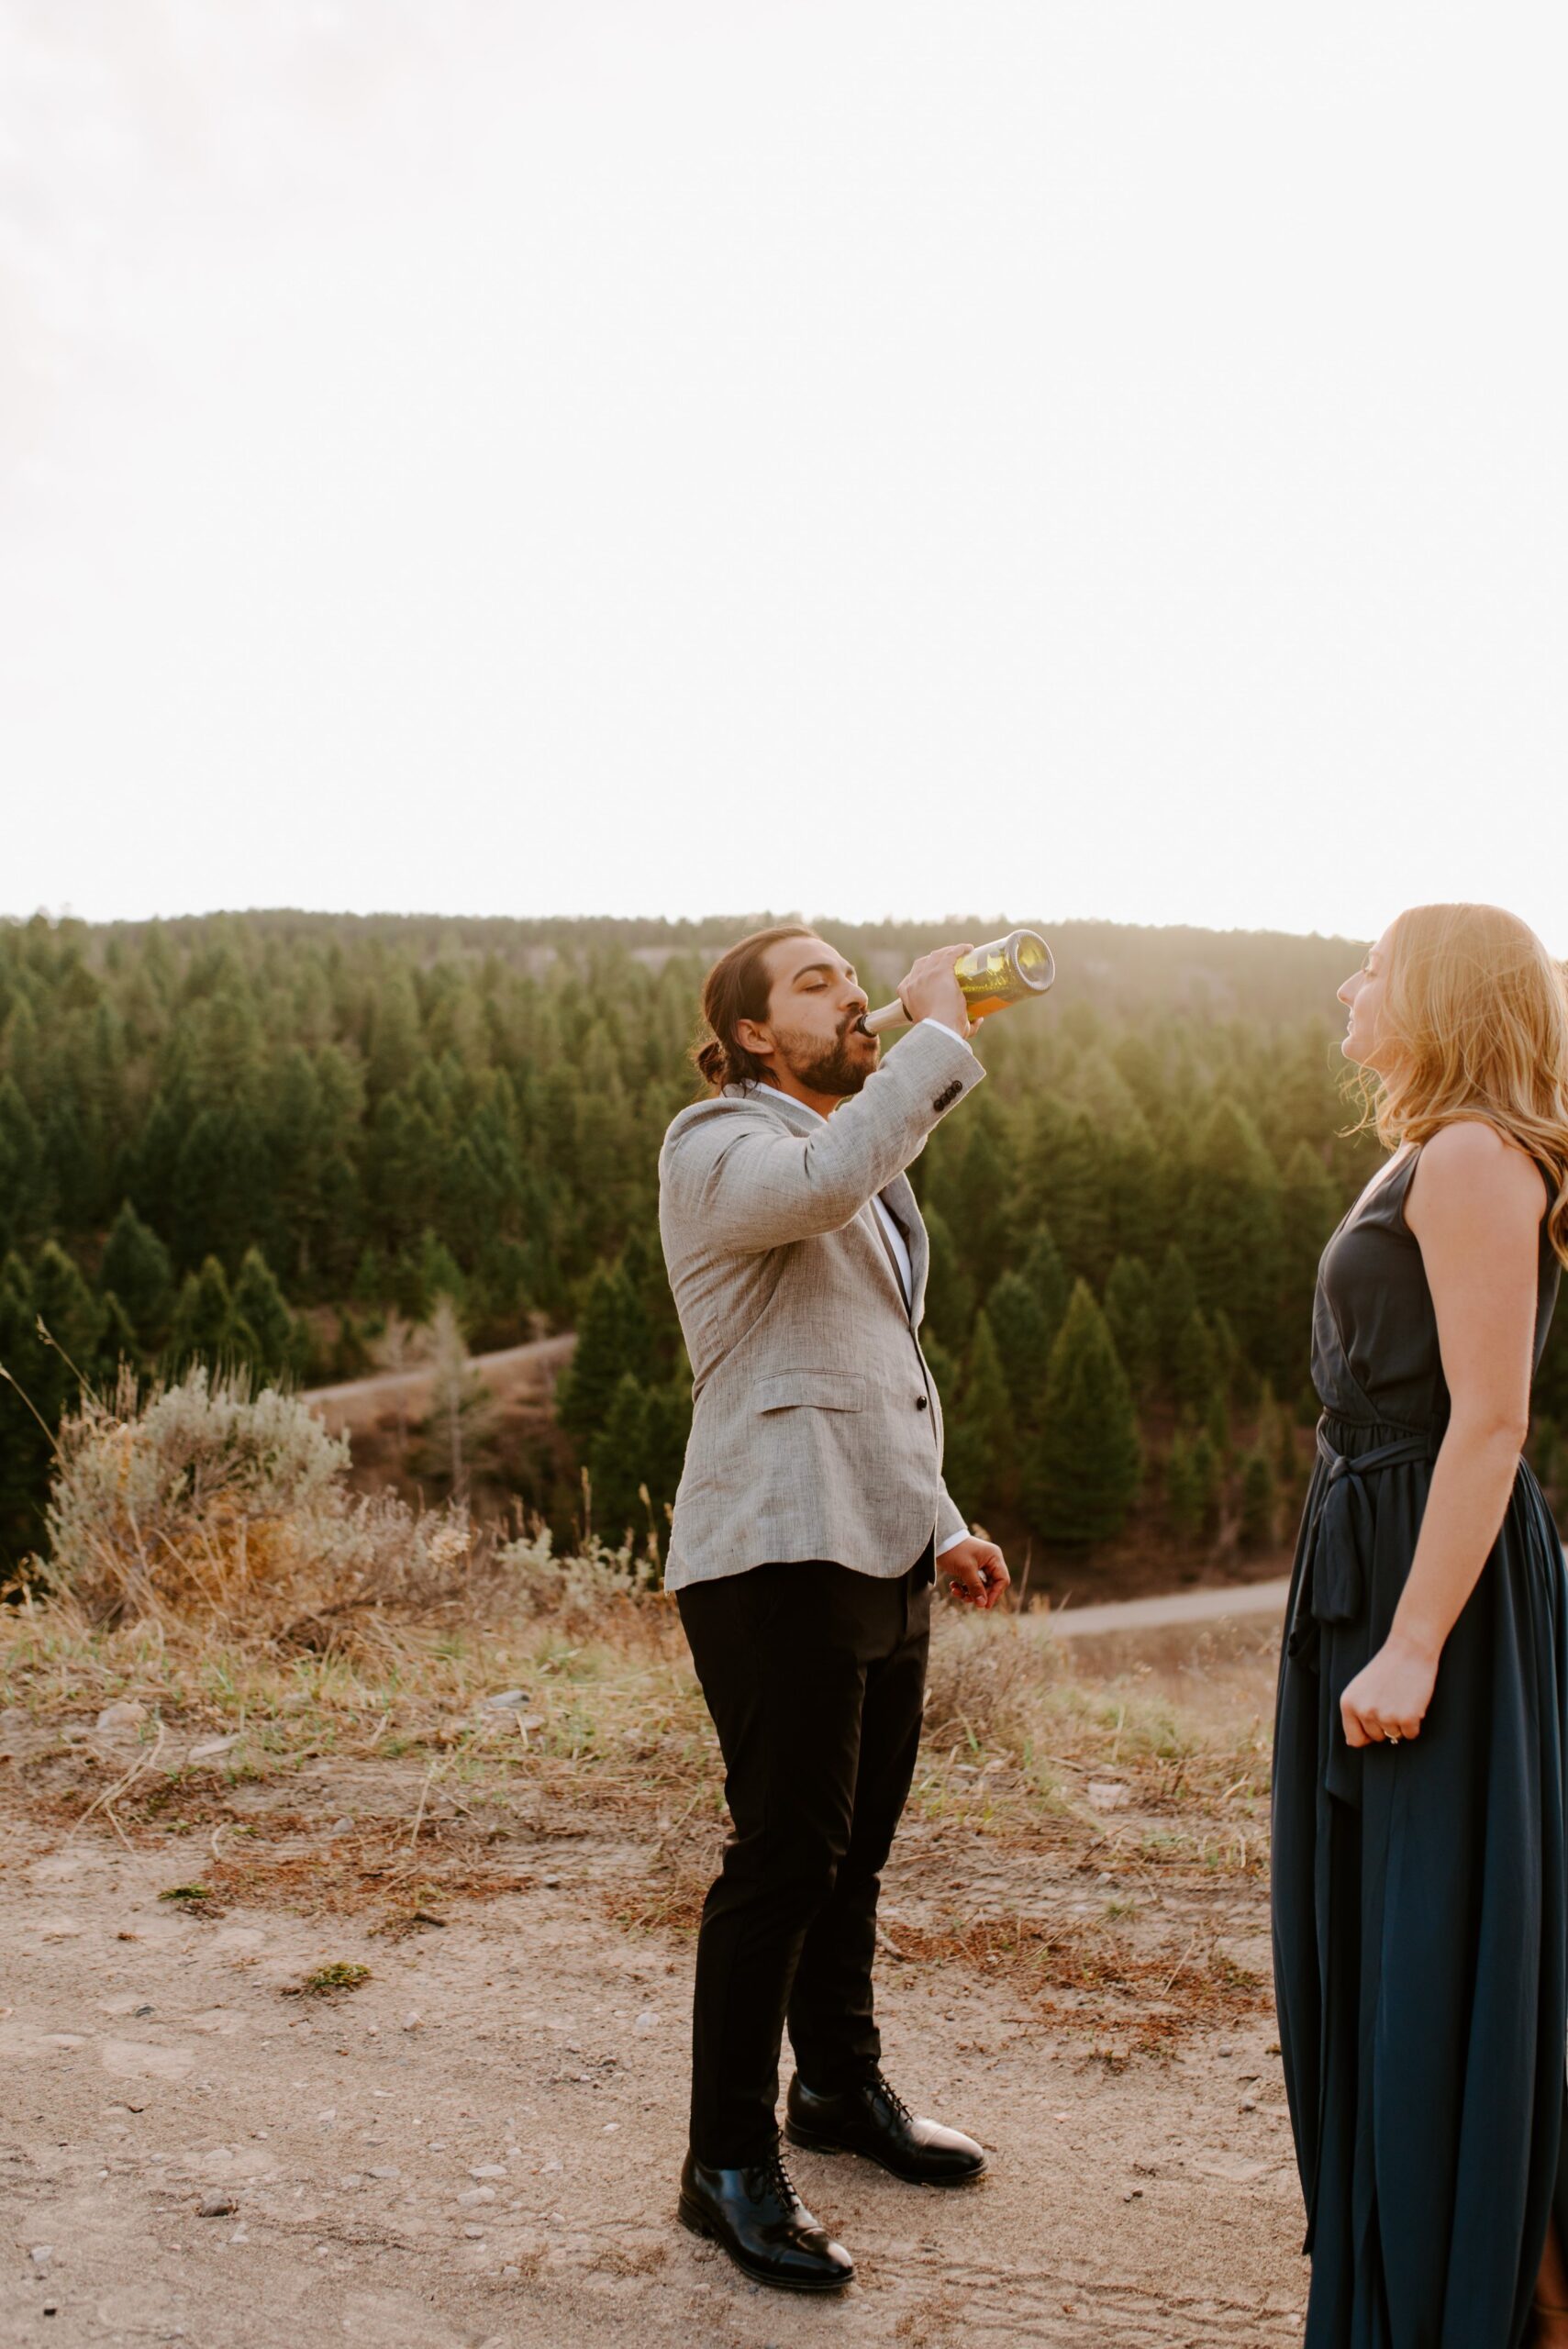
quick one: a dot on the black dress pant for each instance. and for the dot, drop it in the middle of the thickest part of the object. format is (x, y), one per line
(815, 1678)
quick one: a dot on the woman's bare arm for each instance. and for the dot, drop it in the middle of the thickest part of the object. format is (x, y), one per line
(1474, 1204)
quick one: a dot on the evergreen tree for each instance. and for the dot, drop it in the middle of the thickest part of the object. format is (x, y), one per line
(73, 1171)
(153, 1159)
(1023, 1343)
(221, 1200)
(1265, 1435)
(1130, 1310)
(635, 1330)
(498, 1291)
(950, 1291)
(1196, 1366)
(642, 1266)
(27, 1199)
(986, 1190)
(204, 1327)
(73, 1318)
(615, 1463)
(587, 1386)
(667, 1427)
(1175, 1302)
(136, 1266)
(258, 1302)
(409, 1294)
(118, 1343)
(979, 1465)
(1082, 1472)
(438, 1274)
(350, 1356)
(1228, 1358)
(1184, 1491)
(1257, 1501)
(1047, 1276)
(1061, 1179)
(1217, 1422)
(1309, 1208)
(1206, 1477)
(19, 1057)
(944, 1370)
(1231, 1227)
(28, 1393)
(373, 1281)
(395, 1042)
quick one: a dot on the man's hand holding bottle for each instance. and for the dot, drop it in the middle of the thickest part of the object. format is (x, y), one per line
(930, 991)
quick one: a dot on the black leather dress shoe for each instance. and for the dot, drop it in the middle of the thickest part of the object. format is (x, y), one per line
(869, 2119)
(758, 2218)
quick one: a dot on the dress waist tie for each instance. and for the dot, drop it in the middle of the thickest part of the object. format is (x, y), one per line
(1329, 1632)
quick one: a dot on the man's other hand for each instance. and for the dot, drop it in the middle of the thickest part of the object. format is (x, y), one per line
(976, 1572)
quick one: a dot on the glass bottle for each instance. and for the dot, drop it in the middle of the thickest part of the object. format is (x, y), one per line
(1008, 970)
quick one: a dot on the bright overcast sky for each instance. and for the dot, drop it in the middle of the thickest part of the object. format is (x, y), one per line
(867, 456)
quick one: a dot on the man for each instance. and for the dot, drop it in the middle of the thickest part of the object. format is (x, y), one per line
(810, 1515)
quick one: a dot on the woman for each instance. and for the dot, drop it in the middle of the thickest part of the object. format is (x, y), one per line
(1420, 1877)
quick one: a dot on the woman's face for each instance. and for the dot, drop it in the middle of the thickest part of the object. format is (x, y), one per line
(1362, 995)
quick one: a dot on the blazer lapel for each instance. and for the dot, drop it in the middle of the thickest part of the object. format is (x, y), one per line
(886, 1246)
(900, 1202)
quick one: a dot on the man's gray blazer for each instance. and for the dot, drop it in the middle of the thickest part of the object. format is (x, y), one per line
(816, 1430)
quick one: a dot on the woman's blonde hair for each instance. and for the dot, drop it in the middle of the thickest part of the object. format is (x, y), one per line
(1477, 1011)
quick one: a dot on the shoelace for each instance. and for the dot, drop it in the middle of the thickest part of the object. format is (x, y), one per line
(776, 2174)
(894, 2098)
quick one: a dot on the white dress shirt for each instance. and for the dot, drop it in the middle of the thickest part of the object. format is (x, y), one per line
(896, 1241)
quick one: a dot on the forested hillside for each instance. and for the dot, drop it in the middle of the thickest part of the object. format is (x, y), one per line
(272, 1138)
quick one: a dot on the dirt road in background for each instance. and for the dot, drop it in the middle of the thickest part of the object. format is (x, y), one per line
(359, 1404)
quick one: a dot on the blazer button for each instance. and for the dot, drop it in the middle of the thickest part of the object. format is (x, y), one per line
(920, 1402)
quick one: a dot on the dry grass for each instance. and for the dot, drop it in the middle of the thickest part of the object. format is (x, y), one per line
(241, 1738)
(1016, 1735)
(1097, 1980)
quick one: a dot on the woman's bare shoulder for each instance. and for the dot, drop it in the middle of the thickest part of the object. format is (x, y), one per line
(1469, 1164)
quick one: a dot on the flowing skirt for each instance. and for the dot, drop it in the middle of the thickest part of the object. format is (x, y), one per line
(1420, 1921)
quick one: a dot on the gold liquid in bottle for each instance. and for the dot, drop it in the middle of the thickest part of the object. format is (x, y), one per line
(1006, 971)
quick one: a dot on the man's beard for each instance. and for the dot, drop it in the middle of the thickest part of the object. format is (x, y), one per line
(839, 1070)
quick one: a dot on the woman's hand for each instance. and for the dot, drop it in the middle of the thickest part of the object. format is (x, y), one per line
(1387, 1699)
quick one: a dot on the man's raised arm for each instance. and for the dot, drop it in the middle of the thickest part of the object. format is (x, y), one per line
(750, 1187)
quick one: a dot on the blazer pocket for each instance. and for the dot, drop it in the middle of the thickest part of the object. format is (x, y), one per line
(819, 1390)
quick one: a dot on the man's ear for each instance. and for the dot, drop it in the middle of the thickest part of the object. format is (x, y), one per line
(754, 1038)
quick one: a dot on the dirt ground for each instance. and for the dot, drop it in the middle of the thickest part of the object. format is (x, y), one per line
(478, 2145)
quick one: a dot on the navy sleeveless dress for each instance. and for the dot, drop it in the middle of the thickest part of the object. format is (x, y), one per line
(1420, 1890)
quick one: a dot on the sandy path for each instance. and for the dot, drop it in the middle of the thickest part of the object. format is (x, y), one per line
(358, 1401)
(503, 2170)
(1234, 1603)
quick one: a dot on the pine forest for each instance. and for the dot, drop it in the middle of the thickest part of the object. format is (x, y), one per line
(311, 1147)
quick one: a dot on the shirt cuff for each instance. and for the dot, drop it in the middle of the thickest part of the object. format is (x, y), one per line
(929, 1023)
(953, 1538)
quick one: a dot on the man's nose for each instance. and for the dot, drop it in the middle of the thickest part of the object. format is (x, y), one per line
(857, 1000)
